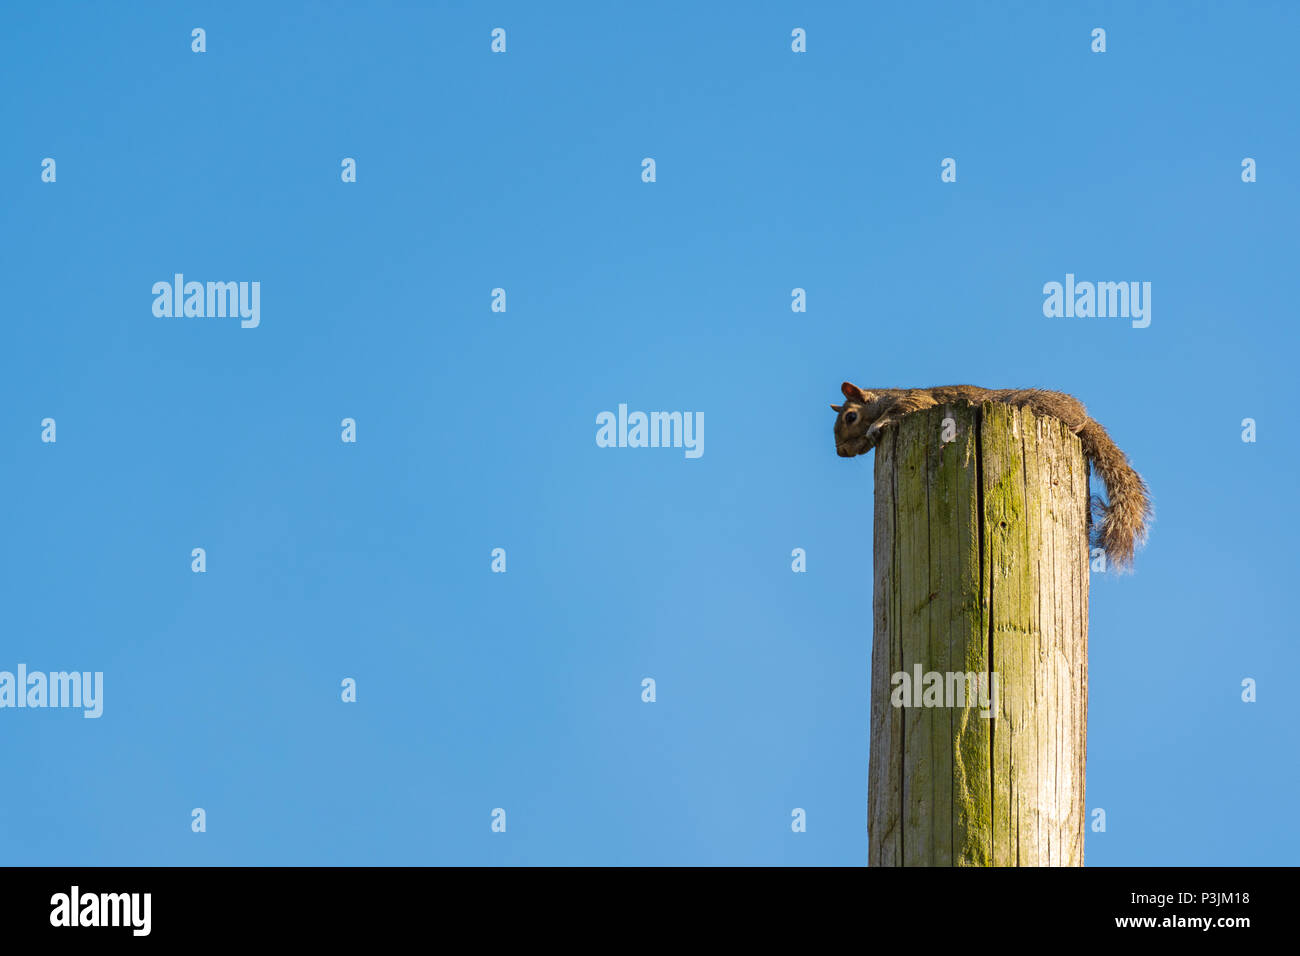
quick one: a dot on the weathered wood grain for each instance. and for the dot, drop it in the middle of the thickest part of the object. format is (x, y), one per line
(980, 560)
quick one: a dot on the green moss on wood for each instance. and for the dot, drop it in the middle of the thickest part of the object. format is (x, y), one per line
(980, 546)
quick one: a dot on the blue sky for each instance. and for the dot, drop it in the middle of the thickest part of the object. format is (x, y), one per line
(476, 429)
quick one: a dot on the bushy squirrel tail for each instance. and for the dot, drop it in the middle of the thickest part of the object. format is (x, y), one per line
(1122, 521)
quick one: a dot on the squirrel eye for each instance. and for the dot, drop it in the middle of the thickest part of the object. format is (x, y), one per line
(850, 418)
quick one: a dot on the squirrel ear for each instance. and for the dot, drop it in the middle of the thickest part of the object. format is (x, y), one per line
(837, 409)
(853, 393)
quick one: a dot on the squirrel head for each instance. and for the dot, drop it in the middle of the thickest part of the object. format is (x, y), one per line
(853, 419)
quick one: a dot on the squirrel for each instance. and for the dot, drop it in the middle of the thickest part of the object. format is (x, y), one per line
(1122, 522)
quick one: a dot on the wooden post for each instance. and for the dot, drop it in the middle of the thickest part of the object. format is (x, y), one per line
(981, 567)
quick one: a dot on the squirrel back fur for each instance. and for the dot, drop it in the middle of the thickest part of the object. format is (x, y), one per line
(1122, 520)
